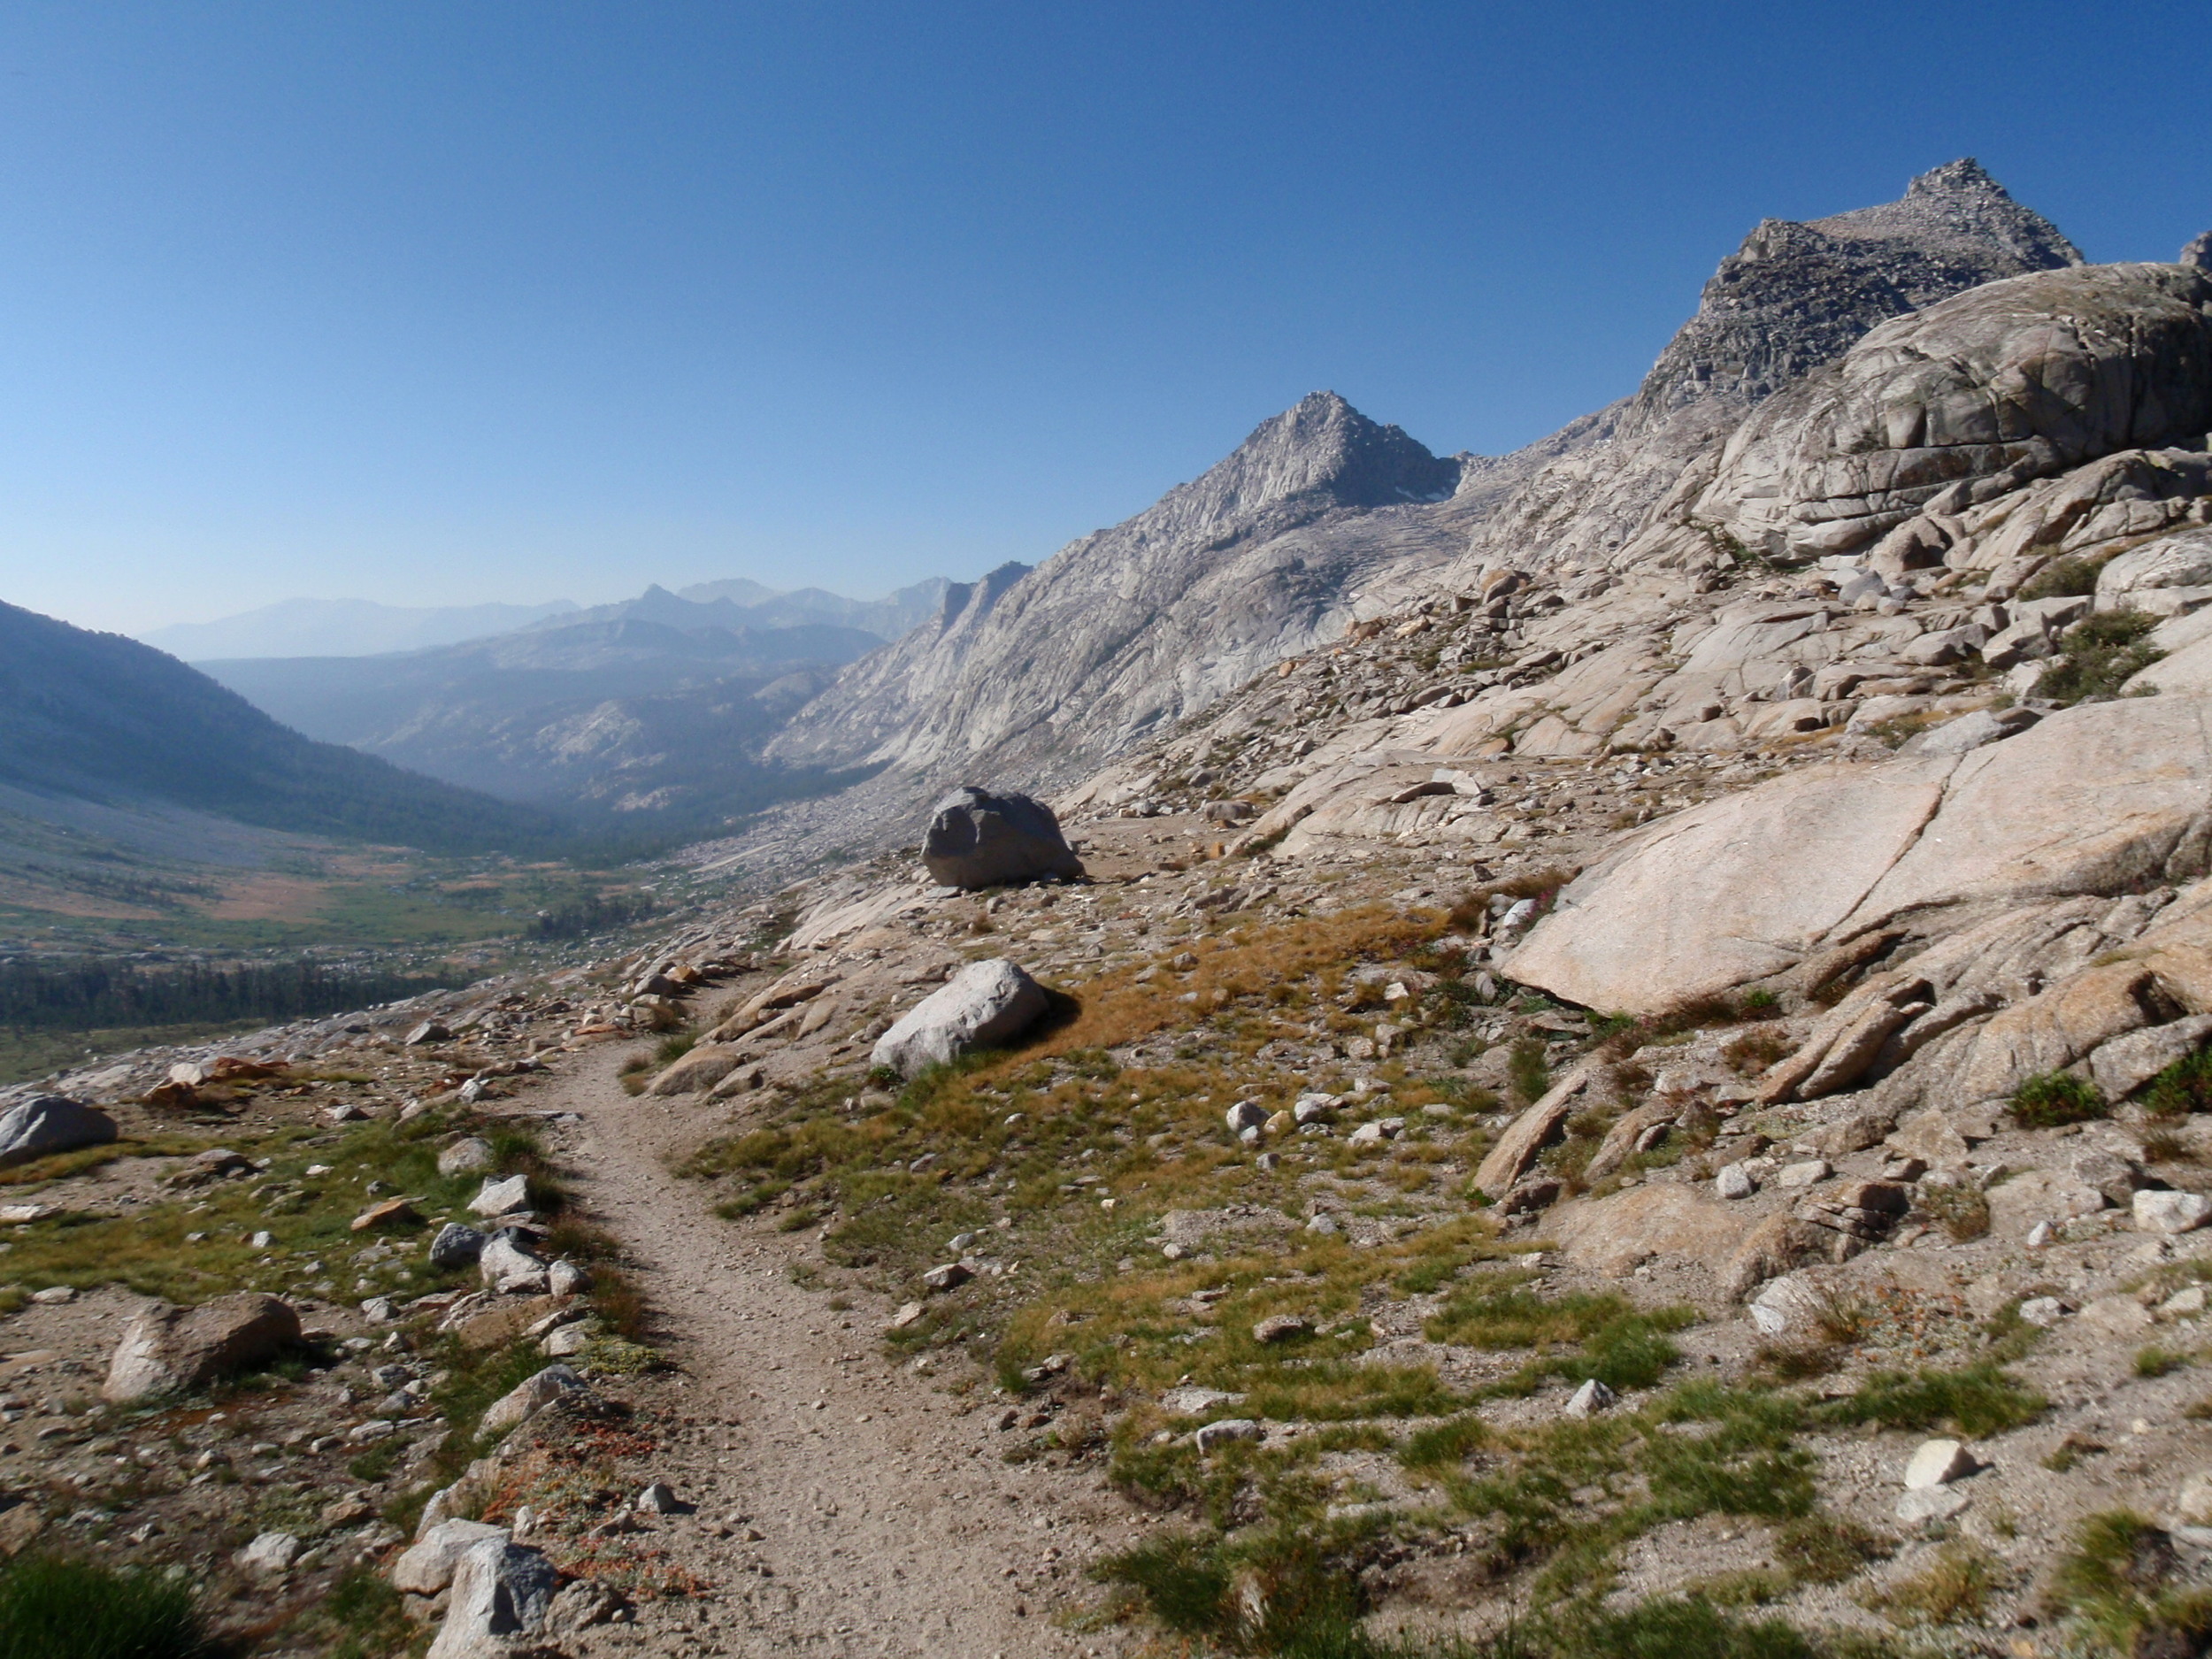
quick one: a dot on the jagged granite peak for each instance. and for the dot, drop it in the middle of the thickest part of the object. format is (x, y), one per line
(1042, 673)
(2198, 253)
(1319, 447)
(1796, 295)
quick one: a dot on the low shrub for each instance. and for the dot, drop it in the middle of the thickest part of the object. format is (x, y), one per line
(2069, 577)
(2102, 653)
(1959, 1209)
(2182, 1087)
(2052, 1098)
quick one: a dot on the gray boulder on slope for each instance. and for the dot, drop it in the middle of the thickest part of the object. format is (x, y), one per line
(985, 1004)
(48, 1124)
(977, 839)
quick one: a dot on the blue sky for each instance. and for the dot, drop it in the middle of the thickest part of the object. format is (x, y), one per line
(442, 303)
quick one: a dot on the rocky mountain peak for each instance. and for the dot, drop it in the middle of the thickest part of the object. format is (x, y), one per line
(2198, 253)
(1796, 295)
(1321, 448)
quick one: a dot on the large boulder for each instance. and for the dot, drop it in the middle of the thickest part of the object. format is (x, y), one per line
(168, 1349)
(1945, 408)
(2098, 799)
(48, 1124)
(983, 1006)
(501, 1594)
(977, 839)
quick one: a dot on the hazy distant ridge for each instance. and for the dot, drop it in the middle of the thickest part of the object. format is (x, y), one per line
(341, 628)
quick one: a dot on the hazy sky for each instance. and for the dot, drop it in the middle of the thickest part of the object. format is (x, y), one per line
(442, 303)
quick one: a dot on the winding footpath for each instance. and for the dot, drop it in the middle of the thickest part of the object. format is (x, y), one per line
(887, 1521)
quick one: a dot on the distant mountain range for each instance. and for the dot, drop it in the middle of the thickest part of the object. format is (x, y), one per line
(362, 627)
(96, 717)
(341, 628)
(613, 715)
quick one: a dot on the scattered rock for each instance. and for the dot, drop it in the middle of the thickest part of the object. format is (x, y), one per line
(269, 1553)
(565, 1278)
(1734, 1181)
(978, 839)
(1810, 1173)
(48, 1124)
(581, 1603)
(165, 1349)
(909, 1313)
(950, 1276)
(1587, 1400)
(427, 1566)
(501, 1197)
(393, 1212)
(2044, 1311)
(526, 1399)
(2171, 1212)
(505, 1266)
(1938, 1463)
(469, 1156)
(984, 1005)
(429, 1031)
(568, 1341)
(1281, 1327)
(1246, 1115)
(659, 1498)
(1530, 1134)
(456, 1246)
(1218, 1435)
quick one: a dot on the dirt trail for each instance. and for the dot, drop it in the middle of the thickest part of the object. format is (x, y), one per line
(889, 1523)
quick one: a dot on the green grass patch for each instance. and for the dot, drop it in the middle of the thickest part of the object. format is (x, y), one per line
(1977, 1400)
(55, 1608)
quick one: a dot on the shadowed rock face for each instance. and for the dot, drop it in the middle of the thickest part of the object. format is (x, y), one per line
(1796, 295)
